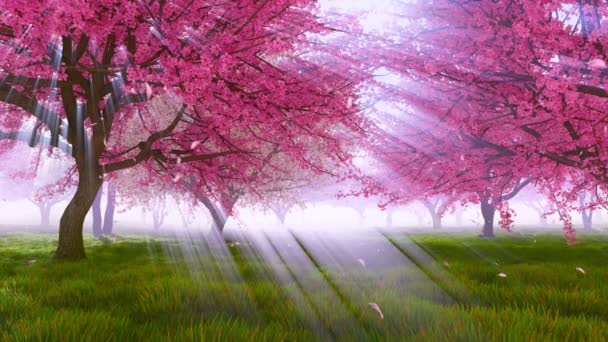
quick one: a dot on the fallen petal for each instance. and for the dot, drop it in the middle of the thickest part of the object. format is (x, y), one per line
(376, 308)
(447, 264)
(502, 275)
(580, 269)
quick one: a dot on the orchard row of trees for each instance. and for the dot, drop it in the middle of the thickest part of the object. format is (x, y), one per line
(253, 101)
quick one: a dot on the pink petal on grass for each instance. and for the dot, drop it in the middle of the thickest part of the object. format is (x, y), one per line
(376, 308)
(446, 263)
(29, 262)
(502, 275)
(580, 269)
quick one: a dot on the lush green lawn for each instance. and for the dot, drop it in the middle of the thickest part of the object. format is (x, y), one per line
(133, 289)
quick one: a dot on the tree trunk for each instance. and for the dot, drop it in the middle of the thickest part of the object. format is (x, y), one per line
(435, 218)
(459, 213)
(157, 218)
(97, 231)
(158, 211)
(436, 221)
(280, 212)
(108, 218)
(487, 211)
(219, 220)
(71, 244)
(45, 213)
(183, 217)
(389, 218)
(587, 216)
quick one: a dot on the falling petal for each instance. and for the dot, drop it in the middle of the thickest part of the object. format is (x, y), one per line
(194, 144)
(597, 64)
(580, 269)
(178, 160)
(177, 178)
(361, 262)
(502, 275)
(376, 308)
(148, 90)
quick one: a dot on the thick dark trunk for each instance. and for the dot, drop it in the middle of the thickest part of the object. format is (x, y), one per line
(108, 218)
(487, 211)
(45, 214)
(71, 244)
(219, 220)
(97, 231)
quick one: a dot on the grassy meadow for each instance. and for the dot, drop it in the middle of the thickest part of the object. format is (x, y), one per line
(429, 288)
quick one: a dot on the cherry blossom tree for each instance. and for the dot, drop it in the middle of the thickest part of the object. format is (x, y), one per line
(42, 178)
(514, 89)
(436, 207)
(207, 82)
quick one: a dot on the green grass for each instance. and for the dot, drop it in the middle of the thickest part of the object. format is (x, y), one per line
(141, 290)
